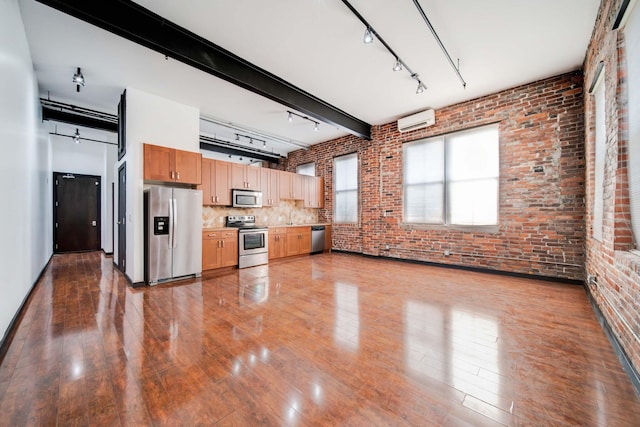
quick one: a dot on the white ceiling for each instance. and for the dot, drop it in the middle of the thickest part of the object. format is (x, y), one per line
(317, 46)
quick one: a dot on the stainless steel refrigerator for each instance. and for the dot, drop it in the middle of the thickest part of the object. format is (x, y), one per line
(173, 234)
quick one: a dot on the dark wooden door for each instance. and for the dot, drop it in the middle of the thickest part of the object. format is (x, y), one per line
(122, 217)
(76, 212)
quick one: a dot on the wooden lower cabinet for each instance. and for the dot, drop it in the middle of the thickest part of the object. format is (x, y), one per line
(298, 240)
(277, 243)
(219, 249)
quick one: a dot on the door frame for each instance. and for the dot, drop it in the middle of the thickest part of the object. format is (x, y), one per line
(122, 222)
(55, 211)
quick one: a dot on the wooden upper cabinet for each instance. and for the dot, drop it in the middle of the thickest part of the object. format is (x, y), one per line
(158, 163)
(245, 176)
(215, 187)
(269, 186)
(297, 187)
(170, 165)
(221, 186)
(252, 174)
(206, 182)
(291, 186)
(188, 167)
(313, 192)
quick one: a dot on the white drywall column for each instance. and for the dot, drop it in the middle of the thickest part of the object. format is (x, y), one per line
(158, 121)
(25, 170)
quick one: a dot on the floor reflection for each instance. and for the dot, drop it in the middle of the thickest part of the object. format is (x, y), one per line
(346, 330)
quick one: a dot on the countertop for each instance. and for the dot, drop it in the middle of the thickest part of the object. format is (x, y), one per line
(210, 229)
(299, 225)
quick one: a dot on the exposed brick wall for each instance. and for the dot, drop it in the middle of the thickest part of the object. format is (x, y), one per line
(617, 269)
(541, 216)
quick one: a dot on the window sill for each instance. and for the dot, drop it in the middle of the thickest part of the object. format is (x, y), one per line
(486, 229)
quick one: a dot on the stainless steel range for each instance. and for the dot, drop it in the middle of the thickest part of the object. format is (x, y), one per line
(253, 240)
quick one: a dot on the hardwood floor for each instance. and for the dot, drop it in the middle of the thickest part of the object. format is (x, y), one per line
(332, 339)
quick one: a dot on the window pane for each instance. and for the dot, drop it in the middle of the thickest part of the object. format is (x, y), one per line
(473, 154)
(469, 180)
(346, 188)
(346, 206)
(474, 202)
(424, 203)
(307, 169)
(423, 161)
(346, 169)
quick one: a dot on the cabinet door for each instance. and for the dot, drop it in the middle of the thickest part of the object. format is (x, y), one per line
(210, 251)
(159, 163)
(252, 177)
(221, 188)
(310, 192)
(319, 192)
(293, 244)
(297, 186)
(207, 199)
(305, 241)
(273, 250)
(188, 167)
(237, 176)
(229, 251)
(284, 185)
(265, 186)
(269, 187)
(274, 186)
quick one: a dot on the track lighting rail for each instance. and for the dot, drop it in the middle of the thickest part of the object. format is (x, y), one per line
(377, 36)
(456, 68)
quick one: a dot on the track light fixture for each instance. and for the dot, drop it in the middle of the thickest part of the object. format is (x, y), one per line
(78, 79)
(421, 86)
(368, 36)
(316, 124)
(76, 136)
(250, 139)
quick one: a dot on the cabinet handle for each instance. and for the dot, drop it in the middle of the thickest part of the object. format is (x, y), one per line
(171, 174)
(222, 241)
(211, 235)
(213, 199)
(177, 175)
(216, 199)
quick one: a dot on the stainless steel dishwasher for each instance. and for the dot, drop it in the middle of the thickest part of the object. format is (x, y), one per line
(317, 238)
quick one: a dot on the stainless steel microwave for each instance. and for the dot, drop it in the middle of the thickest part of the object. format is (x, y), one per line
(246, 198)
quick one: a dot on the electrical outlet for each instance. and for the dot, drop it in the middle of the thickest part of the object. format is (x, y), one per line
(386, 247)
(447, 253)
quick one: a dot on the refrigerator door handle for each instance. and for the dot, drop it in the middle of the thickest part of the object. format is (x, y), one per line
(170, 223)
(175, 222)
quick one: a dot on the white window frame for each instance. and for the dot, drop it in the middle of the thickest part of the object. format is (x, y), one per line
(448, 181)
(600, 147)
(307, 169)
(352, 216)
(631, 22)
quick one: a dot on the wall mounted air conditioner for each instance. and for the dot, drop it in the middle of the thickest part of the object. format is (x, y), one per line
(417, 121)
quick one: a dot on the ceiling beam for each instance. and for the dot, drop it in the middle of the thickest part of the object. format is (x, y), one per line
(135, 23)
(78, 120)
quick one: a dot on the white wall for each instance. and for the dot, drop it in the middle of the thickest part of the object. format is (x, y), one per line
(90, 158)
(25, 170)
(158, 121)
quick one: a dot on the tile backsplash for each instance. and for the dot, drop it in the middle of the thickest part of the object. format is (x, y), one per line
(289, 211)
